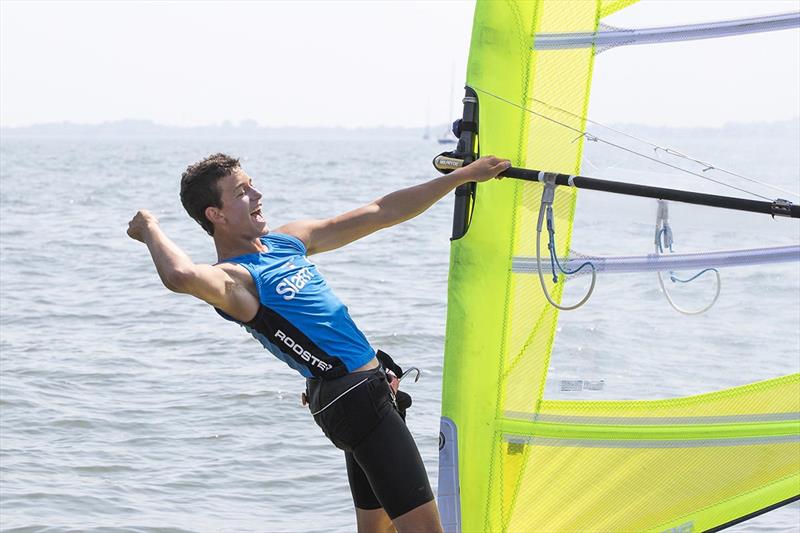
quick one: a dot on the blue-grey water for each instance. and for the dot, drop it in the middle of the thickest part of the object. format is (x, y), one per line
(129, 408)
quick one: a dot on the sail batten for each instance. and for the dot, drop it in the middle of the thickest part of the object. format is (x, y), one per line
(673, 261)
(689, 32)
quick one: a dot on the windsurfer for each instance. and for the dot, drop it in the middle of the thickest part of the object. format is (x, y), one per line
(264, 281)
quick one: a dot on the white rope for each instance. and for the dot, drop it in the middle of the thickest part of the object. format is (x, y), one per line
(662, 225)
(687, 311)
(548, 195)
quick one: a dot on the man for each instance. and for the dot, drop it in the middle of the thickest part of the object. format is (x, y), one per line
(264, 281)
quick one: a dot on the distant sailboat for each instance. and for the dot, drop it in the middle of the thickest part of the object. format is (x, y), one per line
(427, 134)
(447, 136)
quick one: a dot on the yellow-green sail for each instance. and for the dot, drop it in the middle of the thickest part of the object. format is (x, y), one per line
(511, 460)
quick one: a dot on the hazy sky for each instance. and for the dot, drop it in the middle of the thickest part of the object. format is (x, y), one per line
(355, 64)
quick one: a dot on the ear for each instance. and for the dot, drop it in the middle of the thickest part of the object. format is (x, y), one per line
(214, 214)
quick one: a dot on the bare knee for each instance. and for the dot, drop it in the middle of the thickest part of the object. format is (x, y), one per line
(373, 521)
(422, 519)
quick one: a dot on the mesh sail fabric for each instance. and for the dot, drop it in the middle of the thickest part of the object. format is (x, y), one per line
(511, 460)
(684, 464)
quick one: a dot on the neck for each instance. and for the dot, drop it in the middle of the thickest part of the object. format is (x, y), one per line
(228, 246)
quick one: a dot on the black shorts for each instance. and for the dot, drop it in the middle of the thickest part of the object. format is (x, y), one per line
(383, 464)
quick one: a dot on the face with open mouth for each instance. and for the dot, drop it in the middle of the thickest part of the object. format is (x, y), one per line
(257, 216)
(242, 206)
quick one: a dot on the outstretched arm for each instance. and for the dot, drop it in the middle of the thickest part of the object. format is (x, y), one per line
(179, 273)
(328, 234)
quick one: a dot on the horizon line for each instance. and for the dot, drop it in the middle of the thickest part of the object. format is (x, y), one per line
(250, 124)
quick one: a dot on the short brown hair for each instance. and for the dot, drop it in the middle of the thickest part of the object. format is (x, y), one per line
(200, 186)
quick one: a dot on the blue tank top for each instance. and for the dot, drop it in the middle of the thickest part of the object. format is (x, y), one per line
(300, 320)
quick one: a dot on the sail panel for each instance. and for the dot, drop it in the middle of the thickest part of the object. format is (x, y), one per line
(513, 460)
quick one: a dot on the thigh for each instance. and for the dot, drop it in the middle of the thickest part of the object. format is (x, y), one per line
(363, 495)
(392, 464)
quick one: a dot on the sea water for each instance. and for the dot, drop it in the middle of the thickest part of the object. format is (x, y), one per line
(126, 407)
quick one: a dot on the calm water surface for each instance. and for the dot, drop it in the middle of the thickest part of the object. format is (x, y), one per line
(129, 408)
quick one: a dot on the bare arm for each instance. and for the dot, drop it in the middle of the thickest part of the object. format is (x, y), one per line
(179, 273)
(328, 234)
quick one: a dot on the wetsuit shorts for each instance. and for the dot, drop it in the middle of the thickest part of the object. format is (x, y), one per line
(384, 467)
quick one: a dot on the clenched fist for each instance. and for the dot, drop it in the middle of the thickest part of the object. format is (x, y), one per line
(139, 224)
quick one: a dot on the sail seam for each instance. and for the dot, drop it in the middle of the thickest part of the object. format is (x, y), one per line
(654, 443)
(641, 421)
(751, 491)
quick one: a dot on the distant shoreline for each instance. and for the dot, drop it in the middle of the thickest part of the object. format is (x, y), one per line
(127, 129)
(244, 130)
